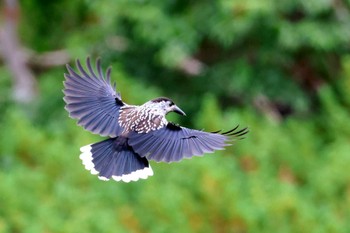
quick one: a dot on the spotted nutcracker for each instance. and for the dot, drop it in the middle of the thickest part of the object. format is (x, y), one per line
(135, 134)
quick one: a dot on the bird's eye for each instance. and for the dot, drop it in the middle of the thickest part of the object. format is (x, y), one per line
(171, 104)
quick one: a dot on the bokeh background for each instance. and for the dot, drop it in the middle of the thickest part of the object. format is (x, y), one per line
(282, 68)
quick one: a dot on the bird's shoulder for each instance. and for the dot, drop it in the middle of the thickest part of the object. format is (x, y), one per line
(173, 126)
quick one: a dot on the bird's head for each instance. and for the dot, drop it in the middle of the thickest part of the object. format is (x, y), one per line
(166, 105)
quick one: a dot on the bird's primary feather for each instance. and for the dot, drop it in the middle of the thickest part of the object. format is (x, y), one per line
(91, 100)
(173, 143)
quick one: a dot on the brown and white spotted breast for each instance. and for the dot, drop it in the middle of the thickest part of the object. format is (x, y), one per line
(140, 119)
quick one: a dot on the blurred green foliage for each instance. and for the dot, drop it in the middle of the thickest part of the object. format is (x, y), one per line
(289, 174)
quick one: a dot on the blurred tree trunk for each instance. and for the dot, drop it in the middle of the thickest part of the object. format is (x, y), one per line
(24, 83)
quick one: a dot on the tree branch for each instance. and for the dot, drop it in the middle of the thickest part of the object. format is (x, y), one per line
(24, 83)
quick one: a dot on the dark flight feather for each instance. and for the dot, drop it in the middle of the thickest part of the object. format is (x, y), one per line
(91, 99)
(173, 143)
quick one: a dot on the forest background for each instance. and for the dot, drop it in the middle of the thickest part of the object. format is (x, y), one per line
(282, 68)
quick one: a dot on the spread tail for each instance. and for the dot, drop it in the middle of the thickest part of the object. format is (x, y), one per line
(114, 159)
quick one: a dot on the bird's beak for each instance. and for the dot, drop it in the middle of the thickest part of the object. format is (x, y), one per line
(178, 110)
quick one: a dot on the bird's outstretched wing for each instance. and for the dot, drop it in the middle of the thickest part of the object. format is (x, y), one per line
(173, 143)
(92, 100)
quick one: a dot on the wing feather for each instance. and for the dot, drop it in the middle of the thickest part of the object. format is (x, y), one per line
(77, 77)
(204, 144)
(168, 150)
(155, 150)
(92, 100)
(174, 143)
(177, 151)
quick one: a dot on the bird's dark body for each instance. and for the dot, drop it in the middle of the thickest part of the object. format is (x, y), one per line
(136, 133)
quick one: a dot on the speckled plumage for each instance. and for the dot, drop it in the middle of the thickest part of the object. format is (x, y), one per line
(136, 133)
(141, 119)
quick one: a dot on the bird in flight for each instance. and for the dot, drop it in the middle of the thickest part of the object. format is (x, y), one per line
(136, 134)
